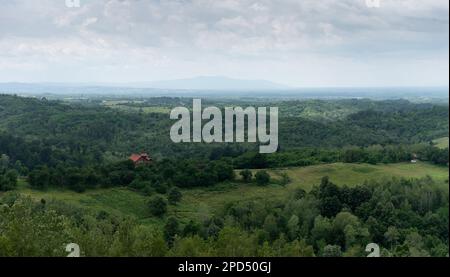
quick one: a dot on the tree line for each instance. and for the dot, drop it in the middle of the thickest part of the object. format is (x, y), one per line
(189, 173)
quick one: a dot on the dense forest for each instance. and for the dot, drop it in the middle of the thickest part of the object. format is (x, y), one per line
(405, 217)
(84, 146)
(85, 133)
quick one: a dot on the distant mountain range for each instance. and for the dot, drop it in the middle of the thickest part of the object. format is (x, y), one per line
(205, 83)
(213, 83)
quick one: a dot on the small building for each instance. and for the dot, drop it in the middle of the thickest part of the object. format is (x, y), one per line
(141, 159)
(414, 159)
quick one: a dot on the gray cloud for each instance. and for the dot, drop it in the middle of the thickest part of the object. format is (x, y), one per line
(299, 42)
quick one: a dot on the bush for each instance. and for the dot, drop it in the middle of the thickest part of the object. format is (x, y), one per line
(262, 178)
(247, 175)
(8, 181)
(157, 206)
(299, 193)
(159, 187)
(171, 229)
(174, 196)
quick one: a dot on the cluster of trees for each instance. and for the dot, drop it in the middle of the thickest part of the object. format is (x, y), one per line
(24, 155)
(158, 177)
(262, 178)
(157, 204)
(8, 177)
(366, 128)
(8, 180)
(373, 155)
(404, 217)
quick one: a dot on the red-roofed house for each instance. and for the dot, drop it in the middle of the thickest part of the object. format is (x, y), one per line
(139, 159)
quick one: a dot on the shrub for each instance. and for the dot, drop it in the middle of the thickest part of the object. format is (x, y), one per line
(157, 206)
(8, 181)
(247, 175)
(262, 178)
(174, 196)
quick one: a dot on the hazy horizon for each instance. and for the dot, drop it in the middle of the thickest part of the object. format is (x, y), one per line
(148, 84)
(61, 91)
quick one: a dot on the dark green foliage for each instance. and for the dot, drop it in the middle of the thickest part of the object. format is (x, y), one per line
(246, 175)
(39, 178)
(47, 132)
(373, 155)
(8, 180)
(329, 195)
(262, 178)
(191, 229)
(171, 229)
(330, 206)
(155, 178)
(299, 193)
(157, 206)
(224, 171)
(174, 196)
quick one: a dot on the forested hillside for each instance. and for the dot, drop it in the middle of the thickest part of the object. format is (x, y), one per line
(65, 176)
(94, 133)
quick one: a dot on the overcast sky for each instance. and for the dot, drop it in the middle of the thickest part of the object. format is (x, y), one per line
(300, 43)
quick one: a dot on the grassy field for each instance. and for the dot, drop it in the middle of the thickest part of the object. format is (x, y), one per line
(201, 203)
(353, 174)
(441, 143)
(198, 202)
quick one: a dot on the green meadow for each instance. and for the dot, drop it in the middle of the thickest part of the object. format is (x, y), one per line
(441, 142)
